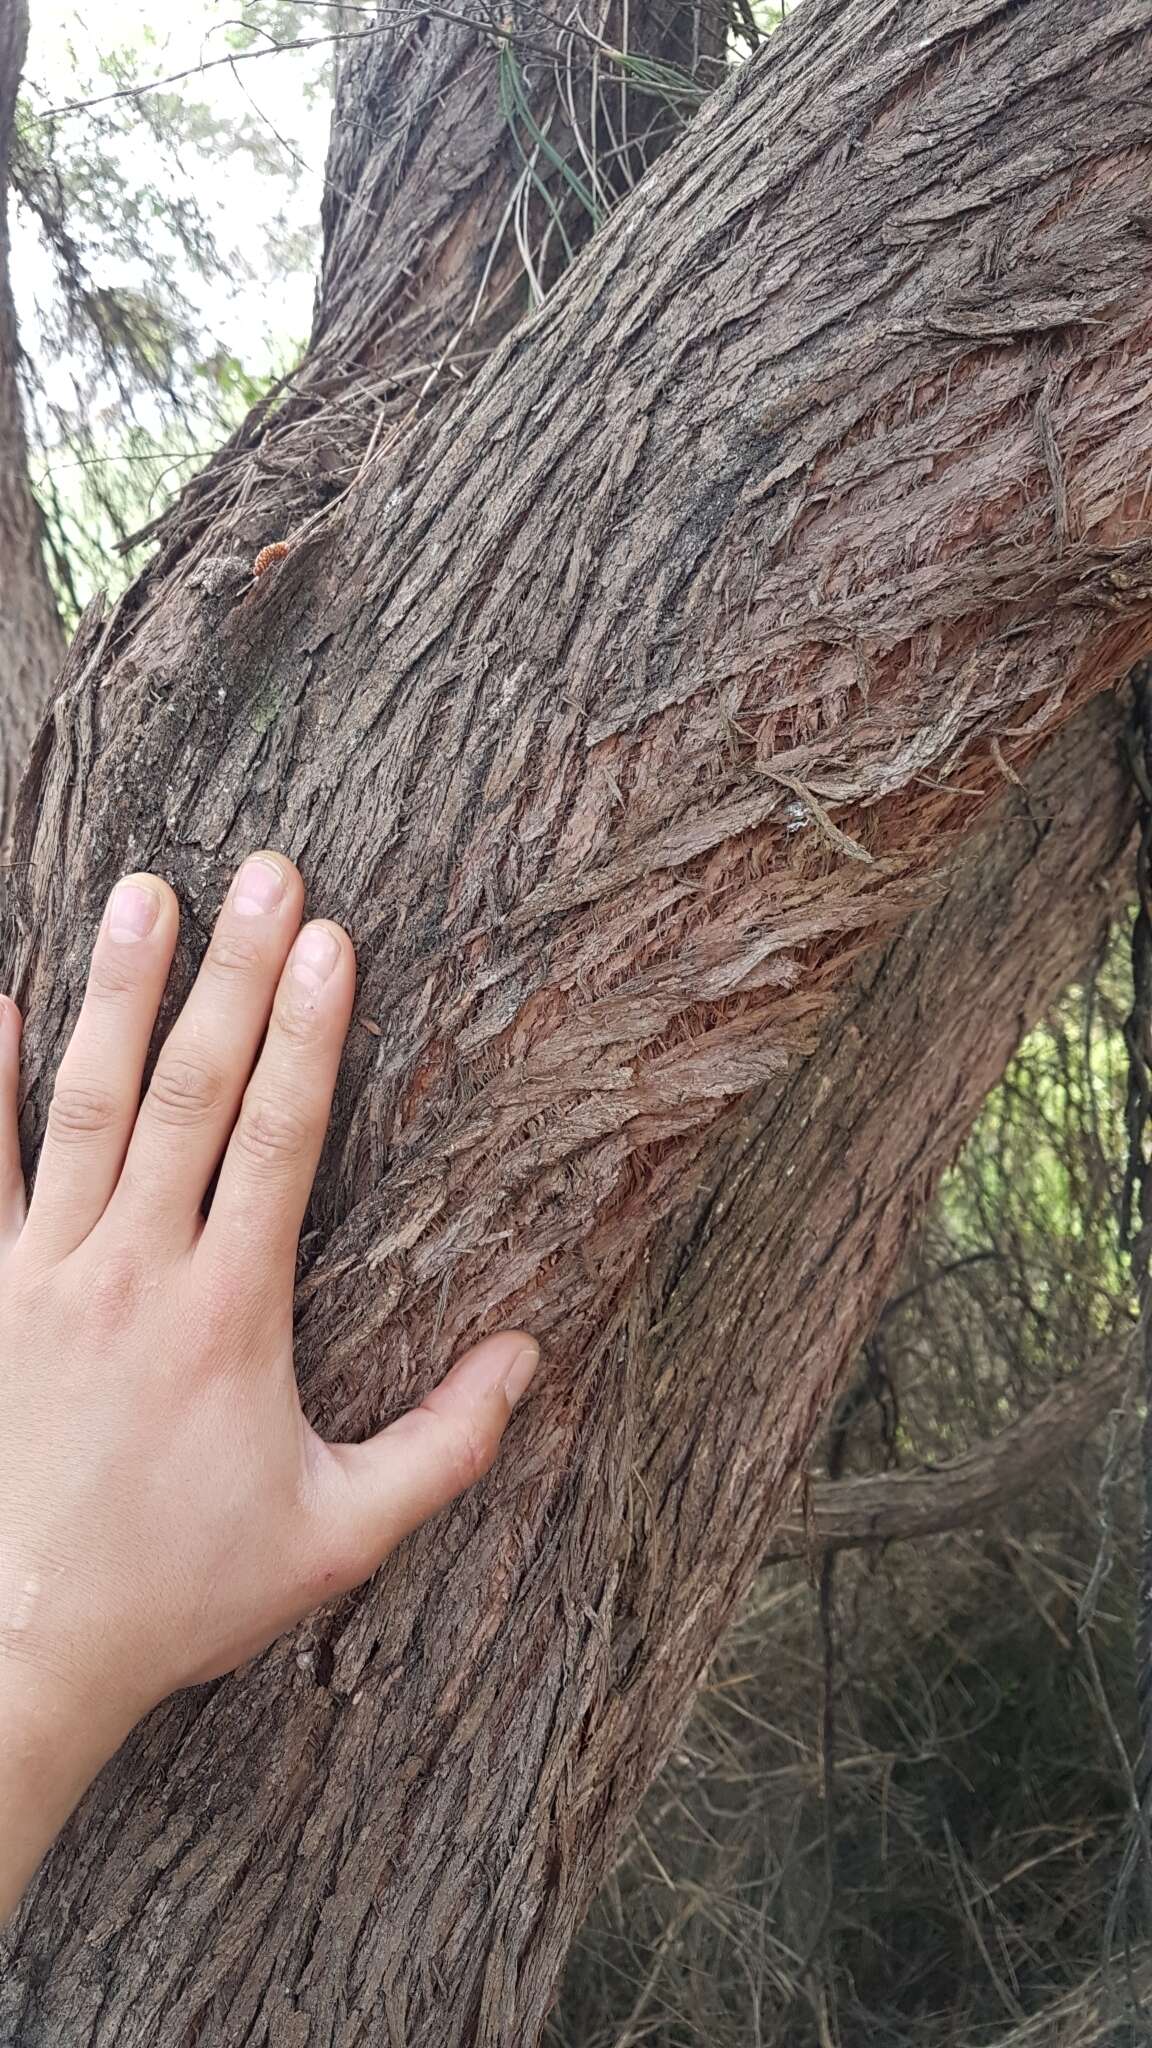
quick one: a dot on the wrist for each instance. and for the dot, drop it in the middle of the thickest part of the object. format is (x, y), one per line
(63, 1665)
(55, 1736)
(59, 1712)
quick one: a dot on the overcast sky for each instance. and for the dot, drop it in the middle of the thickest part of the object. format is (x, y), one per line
(255, 312)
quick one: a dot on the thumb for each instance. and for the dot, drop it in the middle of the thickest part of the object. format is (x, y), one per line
(392, 1483)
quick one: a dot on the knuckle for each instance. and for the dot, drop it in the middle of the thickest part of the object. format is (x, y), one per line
(295, 1021)
(79, 1111)
(271, 1134)
(234, 956)
(113, 974)
(111, 1290)
(184, 1090)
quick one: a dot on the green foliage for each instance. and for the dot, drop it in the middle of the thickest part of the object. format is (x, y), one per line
(1044, 1153)
(136, 269)
(159, 205)
(96, 500)
(621, 108)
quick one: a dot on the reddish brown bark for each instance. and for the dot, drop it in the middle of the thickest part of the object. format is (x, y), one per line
(812, 499)
(31, 640)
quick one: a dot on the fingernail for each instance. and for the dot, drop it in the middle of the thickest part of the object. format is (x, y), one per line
(314, 956)
(520, 1373)
(259, 887)
(132, 912)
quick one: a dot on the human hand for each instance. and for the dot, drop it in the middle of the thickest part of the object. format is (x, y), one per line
(165, 1508)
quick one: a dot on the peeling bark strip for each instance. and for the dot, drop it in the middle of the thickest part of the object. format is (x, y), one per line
(31, 642)
(765, 491)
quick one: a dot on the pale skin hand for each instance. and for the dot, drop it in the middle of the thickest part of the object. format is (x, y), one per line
(165, 1509)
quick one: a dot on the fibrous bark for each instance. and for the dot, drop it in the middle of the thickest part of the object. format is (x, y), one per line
(620, 713)
(393, 1835)
(31, 639)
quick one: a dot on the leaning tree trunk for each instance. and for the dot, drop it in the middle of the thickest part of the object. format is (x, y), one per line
(31, 641)
(621, 711)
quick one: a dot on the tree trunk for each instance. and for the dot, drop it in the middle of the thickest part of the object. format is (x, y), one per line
(31, 640)
(620, 713)
(393, 1834)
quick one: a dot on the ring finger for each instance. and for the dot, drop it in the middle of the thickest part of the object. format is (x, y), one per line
(274, 1151)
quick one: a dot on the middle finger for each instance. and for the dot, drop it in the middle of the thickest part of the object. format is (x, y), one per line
(188, 1112)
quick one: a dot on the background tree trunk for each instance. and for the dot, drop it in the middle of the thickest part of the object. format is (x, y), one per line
(619, 713)
(31, 639)
(426, 190)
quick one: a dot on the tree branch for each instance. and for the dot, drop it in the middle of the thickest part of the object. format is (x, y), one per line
(889, 1506)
